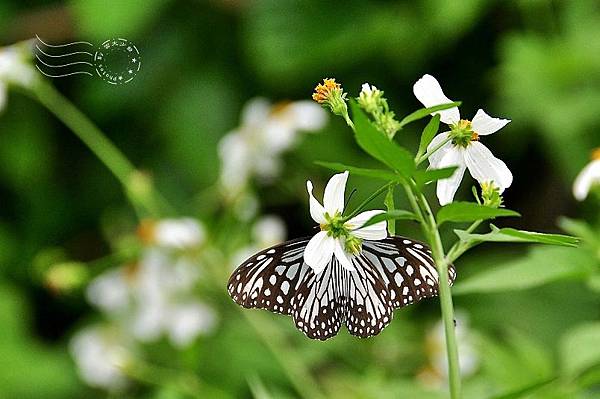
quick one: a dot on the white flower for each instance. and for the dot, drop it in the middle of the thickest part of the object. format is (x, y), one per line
(179, 233)
(154, 298)
(338, 236)
(266, 131)
(266, 231)
(15, 69)
(463, 148)
(100, 353)
(182, 233)
(588, 177)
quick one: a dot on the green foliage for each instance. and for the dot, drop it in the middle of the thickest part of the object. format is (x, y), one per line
(428, 134)
(424, 112)
(394, 214)
(541, 266)
(512, 235)
(580, 349)
(470, 212)
(379, 146)
(372, 173)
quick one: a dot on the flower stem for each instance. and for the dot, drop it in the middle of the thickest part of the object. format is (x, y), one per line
(460, 247)
(421, 158)
(430, 229)
(138, 187)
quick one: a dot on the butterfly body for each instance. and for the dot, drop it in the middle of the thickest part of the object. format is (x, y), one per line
(387, 274)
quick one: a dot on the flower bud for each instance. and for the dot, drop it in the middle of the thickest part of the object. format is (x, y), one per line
(330, 94)
(490, 194)
(66, 277)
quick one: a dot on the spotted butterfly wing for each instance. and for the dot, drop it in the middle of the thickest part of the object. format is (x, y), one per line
(388, 274)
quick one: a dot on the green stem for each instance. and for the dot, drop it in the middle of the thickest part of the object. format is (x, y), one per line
(460, 247)
(366, 202)
(430, 229)
(138, 187)
(420, 158)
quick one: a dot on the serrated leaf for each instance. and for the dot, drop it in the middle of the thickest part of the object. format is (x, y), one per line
(470, 212)
(429, 133)
(580, 349)
(424, 176)
(542, 265)
(514, 235)
(379, 146)
(397, 214)
(423, 112)
(373, 173)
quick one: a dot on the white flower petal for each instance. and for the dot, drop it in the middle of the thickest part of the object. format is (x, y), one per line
(377, 231)
(317, 212)
(429, 92)
(318, 251)
(446, 188)
(269, 230)
(342, 256)
(484, 166)
(483, 124)
(304, 115)
(333, 199)
(3, 95)
(436, 157)
(588, 176)
(256, 112)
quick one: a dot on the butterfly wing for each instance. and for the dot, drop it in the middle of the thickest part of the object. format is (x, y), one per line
(388, 274)
(269, 279)
(396, 272)
(277, 279)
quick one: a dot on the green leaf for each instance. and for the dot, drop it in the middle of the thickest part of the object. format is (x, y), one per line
(390, 206)
(470, 212)
(542, 265)
(424, 176)
(581, 229)
(580, 349)
(396, 214)
(423, 112)
(379, 146)
(373, 173)
(429, 133)
(521, 392)
(513, 235)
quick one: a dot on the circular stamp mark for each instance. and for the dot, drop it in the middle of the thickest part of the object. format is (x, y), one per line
(117, 61)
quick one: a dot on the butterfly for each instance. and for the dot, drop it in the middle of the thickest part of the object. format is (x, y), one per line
(388, 274)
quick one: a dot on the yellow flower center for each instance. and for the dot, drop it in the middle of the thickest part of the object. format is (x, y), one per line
(596, 154)
(324, 90)
(462, 133)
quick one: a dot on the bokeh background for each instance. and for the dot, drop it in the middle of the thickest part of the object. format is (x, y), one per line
(536, 62)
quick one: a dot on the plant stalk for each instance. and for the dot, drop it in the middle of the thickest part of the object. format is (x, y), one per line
(430, 229)
(138, 187)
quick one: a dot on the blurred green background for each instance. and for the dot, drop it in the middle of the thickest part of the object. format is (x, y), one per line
(533, 61)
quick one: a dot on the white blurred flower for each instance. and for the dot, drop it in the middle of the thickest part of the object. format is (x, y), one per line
(101, 353)
(266, 131)
(462, 147)
(109, 291)
(338, 237)
(266, 231)
(588, 177)
(155, 298)
(435, 374)
(15, 69)
(182, 233)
